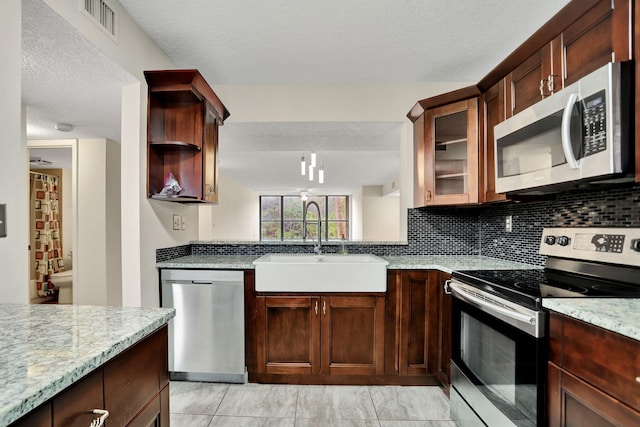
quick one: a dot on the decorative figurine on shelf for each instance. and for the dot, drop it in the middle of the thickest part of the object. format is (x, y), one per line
(171, 186)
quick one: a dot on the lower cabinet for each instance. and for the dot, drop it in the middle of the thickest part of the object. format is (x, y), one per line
(331, 335)
(592, 376)
(399, 337)
(133, 387)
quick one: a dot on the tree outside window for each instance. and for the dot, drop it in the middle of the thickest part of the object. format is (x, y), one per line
(281, 218)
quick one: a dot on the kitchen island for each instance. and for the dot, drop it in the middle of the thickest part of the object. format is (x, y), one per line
(45, 349)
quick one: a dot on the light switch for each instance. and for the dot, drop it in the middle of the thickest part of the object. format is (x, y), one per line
(3, 220)
(176, 222)
(183, 223)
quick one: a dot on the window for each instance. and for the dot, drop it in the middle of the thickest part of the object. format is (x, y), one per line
(281, 218)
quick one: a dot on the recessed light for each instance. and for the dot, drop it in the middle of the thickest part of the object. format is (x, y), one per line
(64, 127)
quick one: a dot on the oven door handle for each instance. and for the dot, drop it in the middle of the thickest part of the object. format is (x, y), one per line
(488, 306)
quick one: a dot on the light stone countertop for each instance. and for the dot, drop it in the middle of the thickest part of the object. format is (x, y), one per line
(45, 348)
(446, 263)
(621, 315)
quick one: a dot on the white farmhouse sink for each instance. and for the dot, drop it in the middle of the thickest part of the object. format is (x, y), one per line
(320, 273)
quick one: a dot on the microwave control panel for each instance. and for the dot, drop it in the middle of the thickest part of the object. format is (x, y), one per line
(594, 121)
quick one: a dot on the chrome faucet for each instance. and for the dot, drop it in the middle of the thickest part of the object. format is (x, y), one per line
(317, 248)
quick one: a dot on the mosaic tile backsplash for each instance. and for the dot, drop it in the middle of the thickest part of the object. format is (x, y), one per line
(472, 230)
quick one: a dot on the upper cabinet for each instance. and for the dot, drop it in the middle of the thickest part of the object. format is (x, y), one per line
(451, 154)
(453, 132)
(182, 135)
(600, 33)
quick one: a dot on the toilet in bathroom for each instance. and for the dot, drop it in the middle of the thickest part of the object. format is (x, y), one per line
(64, 280)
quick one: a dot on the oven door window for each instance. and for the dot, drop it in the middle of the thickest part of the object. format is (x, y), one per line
(504, 363)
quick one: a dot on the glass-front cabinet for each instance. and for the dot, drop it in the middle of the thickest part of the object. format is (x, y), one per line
(449, 156)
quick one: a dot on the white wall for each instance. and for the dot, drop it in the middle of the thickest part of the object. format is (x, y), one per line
(98, 256)
(356, 215)
(235, 217)
(381, 215)
(14, 190)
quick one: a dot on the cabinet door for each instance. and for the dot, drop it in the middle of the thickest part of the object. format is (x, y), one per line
(528, 83)
(418, 353)
(444, 332)
(493, 107)
(210, 155)
(135, 377)
(353, 335)
(600, 36)
(288, 335)
(451, 154)
(75, 405)
(419, 199)
(572, 402)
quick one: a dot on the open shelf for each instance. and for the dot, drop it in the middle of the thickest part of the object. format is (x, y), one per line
(176, 145)
(451, 141)
(451, 175)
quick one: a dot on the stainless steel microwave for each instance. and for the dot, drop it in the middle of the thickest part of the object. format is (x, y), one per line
(580, 134)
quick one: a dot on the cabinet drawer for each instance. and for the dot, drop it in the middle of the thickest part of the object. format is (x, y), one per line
(135, 377)
(74, 407)
(604, 359)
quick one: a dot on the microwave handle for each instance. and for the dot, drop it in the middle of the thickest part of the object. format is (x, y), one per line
(566, 132)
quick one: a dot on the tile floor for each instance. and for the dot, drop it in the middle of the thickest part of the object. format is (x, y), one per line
(208, 404)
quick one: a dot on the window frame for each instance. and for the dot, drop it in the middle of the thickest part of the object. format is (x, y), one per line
(325, 216)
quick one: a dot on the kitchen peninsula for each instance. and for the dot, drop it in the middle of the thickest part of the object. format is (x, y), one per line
(56, 358)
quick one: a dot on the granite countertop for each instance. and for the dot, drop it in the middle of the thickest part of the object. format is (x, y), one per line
(446, 263)
(621, 315)
(45, 347)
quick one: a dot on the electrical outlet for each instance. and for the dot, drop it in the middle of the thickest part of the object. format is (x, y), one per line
(183, 223)
(508, 223)
(177, 223)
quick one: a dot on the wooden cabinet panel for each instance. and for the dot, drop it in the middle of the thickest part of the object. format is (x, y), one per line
(352, 335)
(607, 360)
(573, 402)
(135, 377)
(419, 195)
(74, 407)
(444, 333)
(418, 323)
(39, 417)
(526, 84)
(600, 36)
(288, 333)
(150, 416)
(592, 376)
(210, 155)
(493, 112)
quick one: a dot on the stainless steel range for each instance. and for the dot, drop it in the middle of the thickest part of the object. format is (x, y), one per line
(499, 342)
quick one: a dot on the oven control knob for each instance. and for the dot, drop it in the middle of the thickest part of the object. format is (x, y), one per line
(635, 245)
(563, 240)
(550, 240)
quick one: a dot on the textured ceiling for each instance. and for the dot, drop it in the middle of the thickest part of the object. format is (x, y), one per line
(66, 79)
(340, 41)
(247, 42)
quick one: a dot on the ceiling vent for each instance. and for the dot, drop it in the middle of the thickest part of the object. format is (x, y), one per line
(101, 14)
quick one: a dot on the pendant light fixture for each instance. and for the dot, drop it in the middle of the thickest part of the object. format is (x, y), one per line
(310, 168)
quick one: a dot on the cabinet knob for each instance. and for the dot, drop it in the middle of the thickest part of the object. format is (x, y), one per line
(316, 308)
(98, 422)
(427, 195)
(638, 379)
(551, 83)
(324, 308)
(541, 87)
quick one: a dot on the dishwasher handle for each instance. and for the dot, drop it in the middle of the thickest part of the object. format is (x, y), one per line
(202, 282)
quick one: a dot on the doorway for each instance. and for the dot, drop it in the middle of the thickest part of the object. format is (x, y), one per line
(53, 220)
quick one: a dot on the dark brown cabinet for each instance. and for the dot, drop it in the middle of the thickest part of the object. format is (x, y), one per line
(182, 137)
(133, 387)
(492, 112)
(592, 375)
(443, 369)
(447, 155)
(601, 33)
(331, 335)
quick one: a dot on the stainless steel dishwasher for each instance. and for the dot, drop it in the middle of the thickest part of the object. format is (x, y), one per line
(206, 338)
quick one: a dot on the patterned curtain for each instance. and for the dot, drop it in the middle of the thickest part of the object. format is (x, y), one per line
(47, 244)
